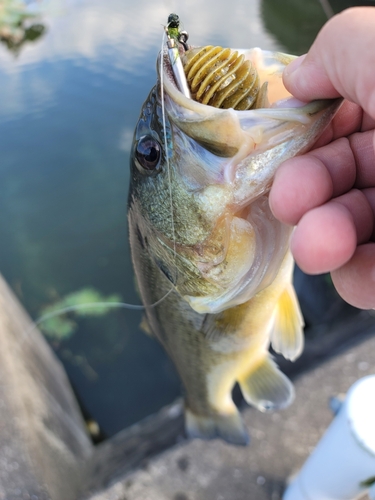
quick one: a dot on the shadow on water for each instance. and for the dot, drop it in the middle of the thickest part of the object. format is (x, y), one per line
(69, 103)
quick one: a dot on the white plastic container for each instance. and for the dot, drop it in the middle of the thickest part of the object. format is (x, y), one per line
(345, 456)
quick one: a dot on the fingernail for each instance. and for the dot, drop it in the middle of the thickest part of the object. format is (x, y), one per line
(293, 66)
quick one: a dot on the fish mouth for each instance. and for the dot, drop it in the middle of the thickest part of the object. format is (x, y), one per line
(248, 146)
(235, 134)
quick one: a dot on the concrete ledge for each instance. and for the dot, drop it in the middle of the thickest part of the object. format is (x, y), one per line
(198, 470)
(44, 446)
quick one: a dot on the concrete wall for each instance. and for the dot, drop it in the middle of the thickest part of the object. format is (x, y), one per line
(43, 442)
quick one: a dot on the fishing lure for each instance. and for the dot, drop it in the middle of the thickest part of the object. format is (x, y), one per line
(175, 38)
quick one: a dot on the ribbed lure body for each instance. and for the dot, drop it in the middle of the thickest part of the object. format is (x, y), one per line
(223, 78)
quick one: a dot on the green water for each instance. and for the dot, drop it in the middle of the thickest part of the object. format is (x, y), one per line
(70, 98)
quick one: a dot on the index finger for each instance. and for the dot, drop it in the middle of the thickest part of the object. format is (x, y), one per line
(306, 182)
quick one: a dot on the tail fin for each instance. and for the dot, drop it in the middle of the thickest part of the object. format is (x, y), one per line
(266, 387)
(228, 427)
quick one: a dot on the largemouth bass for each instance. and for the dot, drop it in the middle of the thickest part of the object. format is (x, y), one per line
(204, 240)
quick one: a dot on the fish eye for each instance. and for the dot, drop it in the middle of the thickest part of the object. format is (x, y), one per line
(148, 154)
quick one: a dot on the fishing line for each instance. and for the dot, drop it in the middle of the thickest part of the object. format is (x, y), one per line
(326, 6)
(89, 305)
(167, 153)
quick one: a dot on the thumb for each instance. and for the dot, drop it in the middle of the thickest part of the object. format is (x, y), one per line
(341, 61)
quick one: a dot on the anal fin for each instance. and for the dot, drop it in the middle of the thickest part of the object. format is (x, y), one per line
(266, 387)
(287, 333)
(228, 427)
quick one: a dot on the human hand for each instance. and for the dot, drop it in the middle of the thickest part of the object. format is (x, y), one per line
(329, 193)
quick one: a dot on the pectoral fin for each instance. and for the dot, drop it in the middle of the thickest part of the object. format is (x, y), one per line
(228, 427)
(287, 333)
(145, 326)
(266, 387)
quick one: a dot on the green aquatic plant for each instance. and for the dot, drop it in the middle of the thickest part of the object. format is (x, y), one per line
(17, 24)
(12, 15)
(57, 319)
(368, 482)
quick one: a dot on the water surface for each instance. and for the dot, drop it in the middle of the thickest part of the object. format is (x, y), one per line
(69, 103)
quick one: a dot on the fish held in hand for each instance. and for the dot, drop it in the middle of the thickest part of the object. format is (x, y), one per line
(203, 237)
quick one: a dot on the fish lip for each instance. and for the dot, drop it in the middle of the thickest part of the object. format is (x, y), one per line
(196, 110)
